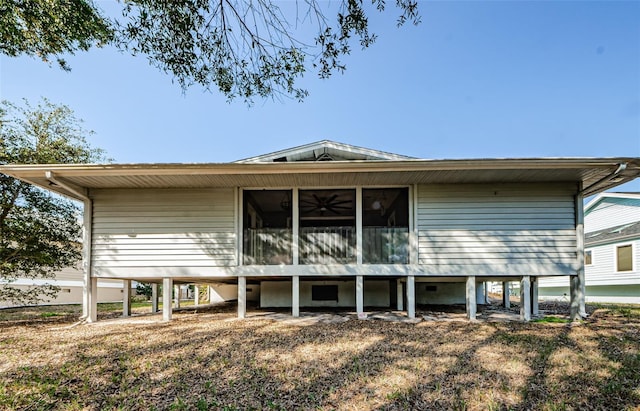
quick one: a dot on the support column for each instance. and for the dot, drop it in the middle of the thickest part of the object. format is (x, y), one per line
(92, 314)
(196, 296)
(126, 298)
(242, 297)
(360, 297)
(411, 296)
(89, 289)
(154, 298)
(167, 310)
(525, 298)
(471, 302)
(359, 240)
(399, 295)
(295, 296)
(575, 295)
(535, 309)
(176, 292)
(580, 277)
(485, 289)
(506, 302)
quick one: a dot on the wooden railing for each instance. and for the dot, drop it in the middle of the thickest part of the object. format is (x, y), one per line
(267, 246)
(385, 245)
(326, 245)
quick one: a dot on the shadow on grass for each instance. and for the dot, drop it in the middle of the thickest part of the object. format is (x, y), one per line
(210, 360)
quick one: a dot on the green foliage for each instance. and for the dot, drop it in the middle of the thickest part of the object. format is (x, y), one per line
(144, 289)
(248, 48)
(39, 232)
(50, 28)
(551, 319)
(242, 48)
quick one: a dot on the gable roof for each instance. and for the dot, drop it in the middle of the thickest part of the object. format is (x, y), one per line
(304, 166)
(325, 150)
(603, 196)
(613, 234)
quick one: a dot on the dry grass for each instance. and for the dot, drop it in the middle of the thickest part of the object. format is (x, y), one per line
(210, 360)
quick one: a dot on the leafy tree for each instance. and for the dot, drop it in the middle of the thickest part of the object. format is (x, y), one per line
(144, 289)
(244, 48)
(39, 232)
(49, 28)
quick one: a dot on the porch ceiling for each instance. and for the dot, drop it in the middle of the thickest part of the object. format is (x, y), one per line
(592, 173)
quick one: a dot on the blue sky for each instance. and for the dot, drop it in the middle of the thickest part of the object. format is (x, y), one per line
(474, 80)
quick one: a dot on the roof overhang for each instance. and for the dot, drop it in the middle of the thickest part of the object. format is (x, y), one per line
(591, 175)
(602, 196)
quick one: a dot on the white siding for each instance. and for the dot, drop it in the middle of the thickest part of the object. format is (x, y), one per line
(612, 212)
(496, 229)
(152, 232)
(603, 269)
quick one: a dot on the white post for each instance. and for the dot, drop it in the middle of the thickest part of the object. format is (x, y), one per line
(176, 291)
(574, 292)
(535, 308)
(580, 277)
(399, 295)
(167, 286)
(196, 295)
(295, 226)
(209, 294)
(485, 288)
(87, 226)
(525, 298)
(413, 225)
(242, 297)
(154, 298)
(126, 298)
(92, 315)
(411, 296)
(360, 297)
(471, 297)
(505, 294)
(295, 296)
(358, 228)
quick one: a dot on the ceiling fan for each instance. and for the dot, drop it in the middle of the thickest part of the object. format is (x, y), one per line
(333, 204)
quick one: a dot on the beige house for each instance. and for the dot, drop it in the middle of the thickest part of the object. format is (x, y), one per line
(70, 280)
(329, 224)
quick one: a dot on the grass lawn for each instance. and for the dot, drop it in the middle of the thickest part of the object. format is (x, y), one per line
(210, 360)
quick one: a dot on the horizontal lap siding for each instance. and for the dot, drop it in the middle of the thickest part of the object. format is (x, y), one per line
(188, 229)
(612, 212)
(603, 270)
(496, 229)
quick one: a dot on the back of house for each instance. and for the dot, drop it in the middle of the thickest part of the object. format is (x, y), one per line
(333, 225)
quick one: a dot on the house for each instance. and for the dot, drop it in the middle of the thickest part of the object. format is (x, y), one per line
(70, 280)
(329, 224)
(612, 251)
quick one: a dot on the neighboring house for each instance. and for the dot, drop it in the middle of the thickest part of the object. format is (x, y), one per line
(71, 283)
(612, 251)
(333, 225)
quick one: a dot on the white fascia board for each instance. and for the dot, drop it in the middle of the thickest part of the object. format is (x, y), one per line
(591, 204)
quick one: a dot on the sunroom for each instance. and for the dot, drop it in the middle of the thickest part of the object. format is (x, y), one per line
(325, 226)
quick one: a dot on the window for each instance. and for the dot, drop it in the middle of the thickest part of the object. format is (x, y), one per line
(588, 257)
(624, 258)
(324, 292)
